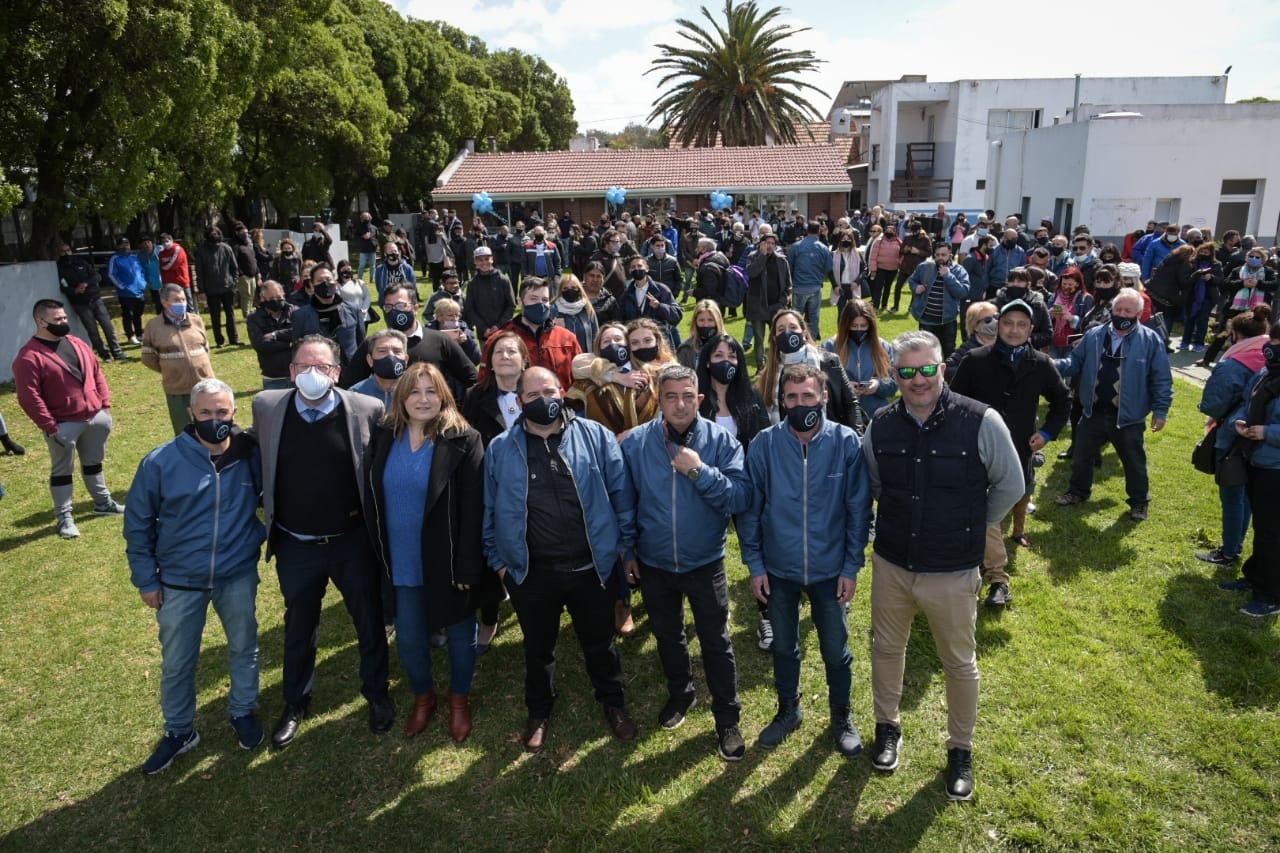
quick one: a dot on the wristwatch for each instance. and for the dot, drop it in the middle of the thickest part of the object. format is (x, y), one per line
(693, 473)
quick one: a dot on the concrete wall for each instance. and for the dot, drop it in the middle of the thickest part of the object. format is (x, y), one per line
(1116, 169)
(20, 286)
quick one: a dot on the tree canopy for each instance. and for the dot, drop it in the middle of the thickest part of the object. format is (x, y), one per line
(737, 83)
(114, 106)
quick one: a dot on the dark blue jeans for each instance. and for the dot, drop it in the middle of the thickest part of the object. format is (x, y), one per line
(413, 642)
(1090, 435)
(829, 619)
(708, 593)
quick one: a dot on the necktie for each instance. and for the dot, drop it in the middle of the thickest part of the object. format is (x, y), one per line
(312, 415)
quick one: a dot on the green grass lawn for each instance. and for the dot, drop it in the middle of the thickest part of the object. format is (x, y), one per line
(1125, 704)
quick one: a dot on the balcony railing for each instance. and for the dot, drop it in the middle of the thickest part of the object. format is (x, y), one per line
(920, 190)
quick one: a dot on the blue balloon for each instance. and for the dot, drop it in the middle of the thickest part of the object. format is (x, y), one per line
(720, 200)
(481, 203)
(615, 195)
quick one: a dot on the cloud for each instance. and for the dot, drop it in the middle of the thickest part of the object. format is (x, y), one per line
(603, 50)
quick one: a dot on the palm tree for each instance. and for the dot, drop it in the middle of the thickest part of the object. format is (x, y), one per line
(737, 83)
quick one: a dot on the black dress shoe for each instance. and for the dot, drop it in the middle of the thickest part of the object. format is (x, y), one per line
(287, 726)
(382, 713)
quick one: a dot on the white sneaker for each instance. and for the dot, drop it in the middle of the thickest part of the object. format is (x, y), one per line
(133, 339)
(764, 635)
(108, 508)
(67, 527)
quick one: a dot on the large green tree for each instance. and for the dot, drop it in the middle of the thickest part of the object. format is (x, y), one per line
(100, 93)
(738, 83)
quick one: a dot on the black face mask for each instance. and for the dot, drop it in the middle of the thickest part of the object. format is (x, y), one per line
(537, 313)
(706, 333)
(1271, 352)
(1009, 244)
(400, 320)
(1105, 294)
(723, 372)
(645, 354)
(804, 418)
(1124, 324)
(273, 304)
(789, 342)
(58, 330)
(543, 410)
(213, 431)
(1043, 241)
(325, 290)
(571, 296)
(859, 336)
(389, 367)
(616, 353)
(1016, 292)
(1055, 250)
(639, 274)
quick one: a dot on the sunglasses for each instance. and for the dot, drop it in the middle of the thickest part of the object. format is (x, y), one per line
(927, 370)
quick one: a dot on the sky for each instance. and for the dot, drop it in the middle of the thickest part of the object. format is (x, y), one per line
(603, 50)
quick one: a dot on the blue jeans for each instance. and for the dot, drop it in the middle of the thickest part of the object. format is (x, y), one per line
(829, 618)
(368, 260)
(1236, 515)
(413, 642)
(809, 304)
(181, 619)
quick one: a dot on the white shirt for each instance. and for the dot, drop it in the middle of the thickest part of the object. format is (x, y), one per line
(510, 408)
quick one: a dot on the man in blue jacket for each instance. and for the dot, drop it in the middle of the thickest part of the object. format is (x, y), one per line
(810, 262)
(192, 537)
(1159, 248)
(1005, 256)
(1124, 375)
(804, 533)
(690, 479)
(559, 513)
(938, 289)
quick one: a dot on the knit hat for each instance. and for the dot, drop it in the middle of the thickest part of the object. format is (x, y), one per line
(1129, 271)
(1017, 305)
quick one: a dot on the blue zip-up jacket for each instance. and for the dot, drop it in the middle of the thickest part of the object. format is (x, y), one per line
(1224, 393)
(126, 273)
(1060, 262)
(1001, 261)
(1146, 385)
(151, 267)
(604, 490)
(957, 289)
(681, 523)
(1266, 453)
(862, 368)
(1157, 251)
(810, 508)
(382, 275)
(810, 263)
(187, 524)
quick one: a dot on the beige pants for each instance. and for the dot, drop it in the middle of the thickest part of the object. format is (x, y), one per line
(248, 288)
(995, 557)
(950, 603)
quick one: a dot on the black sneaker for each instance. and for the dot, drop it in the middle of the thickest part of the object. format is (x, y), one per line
(998, 595)
(959, 774)
(1216, 557)
(248, 730)
(888, 743)
(672, 714)
(732, 746)
(170, 748)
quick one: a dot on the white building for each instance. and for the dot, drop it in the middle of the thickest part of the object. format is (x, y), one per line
(1205, 165)
(929, 141)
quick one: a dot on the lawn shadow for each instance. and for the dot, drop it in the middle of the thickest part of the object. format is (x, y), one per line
(1239, 656)
(1066, 537)
(905, 825)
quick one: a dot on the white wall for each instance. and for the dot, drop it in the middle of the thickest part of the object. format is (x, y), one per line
(962, 118)
(273, 236)
(20, 286)
(1115, 169)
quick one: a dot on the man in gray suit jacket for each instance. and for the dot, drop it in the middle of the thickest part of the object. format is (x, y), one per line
(313, 441)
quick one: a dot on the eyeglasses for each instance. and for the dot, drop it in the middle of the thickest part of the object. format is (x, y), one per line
(927, 370)
(304, 367)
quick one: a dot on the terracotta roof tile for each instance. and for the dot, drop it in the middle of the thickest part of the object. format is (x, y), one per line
(813, 166)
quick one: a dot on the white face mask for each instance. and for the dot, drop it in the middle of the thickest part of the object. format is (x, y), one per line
(313, 385)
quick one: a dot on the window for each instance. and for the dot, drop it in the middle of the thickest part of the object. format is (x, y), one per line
(1002, 122)
(1167, 209)
(1237, 187)
(981, 184)
(875, 157)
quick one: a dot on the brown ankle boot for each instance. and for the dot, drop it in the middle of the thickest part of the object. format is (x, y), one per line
(424, 705)
(459, 716)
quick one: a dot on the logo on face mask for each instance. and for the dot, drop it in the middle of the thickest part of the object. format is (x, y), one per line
(804, 418)
(214, 430)
(616, 353)
(1124, 324)
(1271, 352)
(389, 367)
(543, 410)
(789, 343)
(399, 319)
(723, 372)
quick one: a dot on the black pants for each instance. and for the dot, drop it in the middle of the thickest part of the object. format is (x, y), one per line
(708, 593)
(1262, 569)
(131, 311)
(92, 316)
(305, 570)
(155, 302)
(899, 280)
(538, 603)
(218, 304)
(946, 334)
(1091, 435)
(880, 283)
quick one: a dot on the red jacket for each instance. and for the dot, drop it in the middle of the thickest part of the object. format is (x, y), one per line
(554, 349)
(173, 266)
(47, 391)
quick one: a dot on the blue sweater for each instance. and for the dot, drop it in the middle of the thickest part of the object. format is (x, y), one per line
(861, 367)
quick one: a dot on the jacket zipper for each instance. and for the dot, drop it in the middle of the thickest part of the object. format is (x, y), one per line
(217, 513)
(804, 509)
(582, 508)
(377, 525)
(675, 532)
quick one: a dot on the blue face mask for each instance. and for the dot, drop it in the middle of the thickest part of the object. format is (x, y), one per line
(178, 310)
(538, 313)
(1254, 262)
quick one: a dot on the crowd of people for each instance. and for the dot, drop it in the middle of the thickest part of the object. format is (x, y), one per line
(553, 431)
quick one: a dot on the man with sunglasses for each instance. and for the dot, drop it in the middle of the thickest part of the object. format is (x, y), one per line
(943, 468)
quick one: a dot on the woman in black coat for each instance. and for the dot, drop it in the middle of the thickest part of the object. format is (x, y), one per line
(727, 395)
(425, 490)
